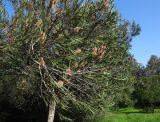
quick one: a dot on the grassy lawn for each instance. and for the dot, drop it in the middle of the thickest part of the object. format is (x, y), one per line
(130, 115)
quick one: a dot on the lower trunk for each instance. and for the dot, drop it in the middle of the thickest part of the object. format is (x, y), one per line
(51, 113)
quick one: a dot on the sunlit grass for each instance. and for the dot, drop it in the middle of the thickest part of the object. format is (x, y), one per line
(130, 115)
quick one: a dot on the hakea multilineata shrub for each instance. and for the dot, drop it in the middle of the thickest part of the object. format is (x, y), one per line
(70, 52)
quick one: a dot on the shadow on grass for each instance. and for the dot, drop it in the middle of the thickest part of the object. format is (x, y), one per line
(135, 111)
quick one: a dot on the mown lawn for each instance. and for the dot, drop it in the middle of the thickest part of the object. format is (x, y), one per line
(130, 115)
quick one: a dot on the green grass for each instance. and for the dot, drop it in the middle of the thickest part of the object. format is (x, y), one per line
(130, 115)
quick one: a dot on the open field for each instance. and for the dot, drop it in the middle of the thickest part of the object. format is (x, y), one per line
(130, 115)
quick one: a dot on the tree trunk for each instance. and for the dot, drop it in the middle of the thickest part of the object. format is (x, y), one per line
(51, 113)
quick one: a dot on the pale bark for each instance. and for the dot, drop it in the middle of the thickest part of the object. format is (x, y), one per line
(51, 113)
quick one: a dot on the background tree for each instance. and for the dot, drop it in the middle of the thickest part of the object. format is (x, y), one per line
(148, 92)
(153, 66)
(147, 85)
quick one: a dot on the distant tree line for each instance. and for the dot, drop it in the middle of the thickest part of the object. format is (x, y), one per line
(147, 86)
(145, 92)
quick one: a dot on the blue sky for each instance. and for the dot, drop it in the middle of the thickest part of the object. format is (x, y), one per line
(146, 13)
(8, 7)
